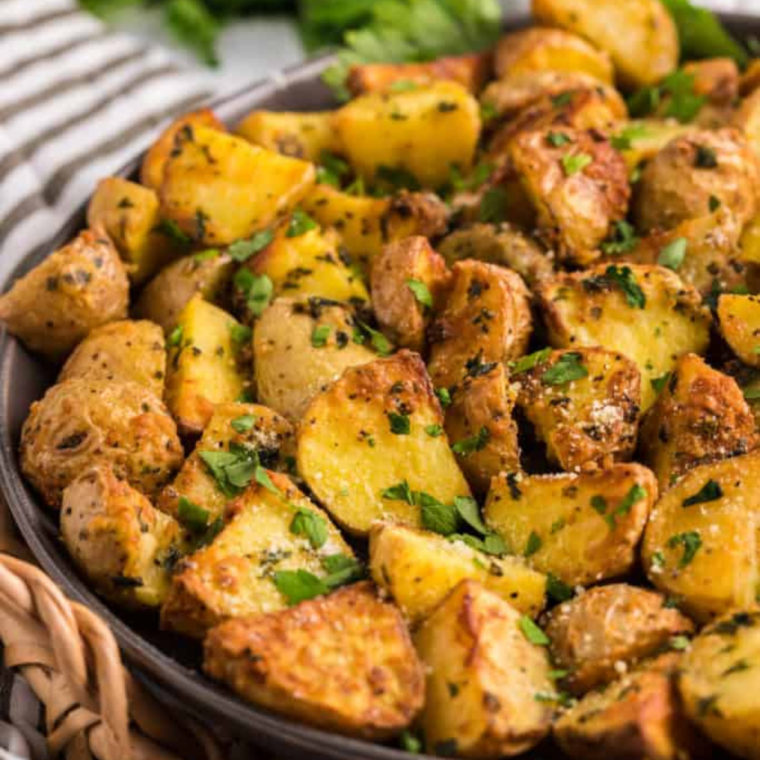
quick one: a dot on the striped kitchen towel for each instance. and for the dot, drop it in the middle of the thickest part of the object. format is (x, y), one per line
(76, 102)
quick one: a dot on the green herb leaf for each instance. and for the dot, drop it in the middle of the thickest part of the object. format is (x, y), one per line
(421, 292)
(624, 278)
(533, 545)
(394, 178)
(444, 397)
(622, 240)
(244, 423)
(175, 336)
(242, 250)
(194, 26)
(658, 383)
(691, 542)
(308, 523)
(400, 492)
(257, 290)
(319, 336)
(469, 511)
(532, 632)
(635, 494)
(679, 643)
(474, 443)
(172, 230)
(574, 163)
(240, 333)
(437, 516)
(624, 140)
(434, 431)
(299, 585)
(524, 363)
(493, 206)
(566, 369)
(410, 742)
(710, 491)
(262, 478)
(191, 515)
(557, 589)
(558, 139)
(399, 423)
(682, 104)
(341, 569)
(752, 394)
(300, 223)
(332, 169)
(379, 342)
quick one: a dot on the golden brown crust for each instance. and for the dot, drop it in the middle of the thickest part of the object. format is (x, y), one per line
(344, 662)
(739, 318)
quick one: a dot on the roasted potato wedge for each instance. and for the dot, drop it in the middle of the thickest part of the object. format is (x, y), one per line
(607, 625)
(638, 716)
(251, 426)
(644, 312)
(700, 544)
(486, 318)
(237, 574)
(368, 435)
(81, 423)
(219, 188)
(299, 348)
(700, 416)
(639, 35)
(203, 366)
(422, 132)
(74, 290)
(580, 528)
(125, 351)
(483, 677)
(343, 662)
(739, 318)
(584, 405)
(409, 280)
(718, 682)
(124, 547)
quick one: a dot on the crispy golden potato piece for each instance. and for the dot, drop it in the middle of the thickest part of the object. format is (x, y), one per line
(129, 214)
(238, 573)
(718, 682)
(372, 441)
(480, 426)
(251, 426)
(501, 244)
(121, 351)
(164, 297)
(418, 569)
(343, 662)
(640, 140)
(739, 318)
(219, 188)
(123, 546)
(638, 716)
(299, 348)
(581, 528)
(639, 35)
(607, 625)
(584, 405)
(470, 70)
(486, 319)
(152, 170)
(546, 49)
(81, 423)
(700, 544)
(409, 279)
(310, 264)
(716, 80)
(291, 133)
(421, 131)
(679, 182)
(577, 185)
(483, 677)
(74, 290)
(645, 312)
(700, 416)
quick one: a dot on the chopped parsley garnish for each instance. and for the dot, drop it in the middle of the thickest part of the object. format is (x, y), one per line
(710, 491)
(300, 585)
(257, 289)
(493, 206)
(557, 589)
(444, 396)
(574, 163)
(558, 139)
(562, 99)
(379, 342)
(524, 363)
(244, 423)
(319, 336)
(691, 542)
(240, 333)
(332, 169)
(678, 88)
(242, 250)
(399, 423)
(396, 177)
(169, 228)
(658, 383)
(622, 239)
(532, 632)
(672, 255)
(300, 223)
(533, 544)
(421, 292)
(635, 494)
(175, 336)
(474, 443)
(308, 523)
(566, 369)
(679, 643)
(191, 515)
(233, 470)
(625, 279)
(624, 140)
(410, 742)
(713, 203)
(434, 431)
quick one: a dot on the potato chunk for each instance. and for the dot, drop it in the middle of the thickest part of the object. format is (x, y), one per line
(421, 131)
(638, 716)
(365, 446)
(299, 348)
(700, 544)
(124, 546)
(639, 35)
(343, 662)
(251, 426)
(408, 281)
(418, 569)
(581, 528)
(719, 682)
(74, 290)
(486, 318)
(238, 573)
(80, 423)
(584, 405)
(643, 312)
(483, 677)
(700, 416)
(131, 351)
(219, 188)
(640, 140)
(739, 318)
(607, 625)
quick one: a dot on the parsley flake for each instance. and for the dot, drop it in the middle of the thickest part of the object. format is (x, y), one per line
(710, 491)
(532, 632)
(319, 336)
(421, 292)
(691, 542)
(242, 250)
(566, 369)
(575, 163)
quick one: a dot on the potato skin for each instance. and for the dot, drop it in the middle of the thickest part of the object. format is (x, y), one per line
(418, 569)
(120, 542)
(483, 675)
(486, 318)
(399, 313)
(700, 416)
(79, 287)
(559, 523)
(606, 625)
(739, 318)
(589, 423)
(80, 423)
(128, 350)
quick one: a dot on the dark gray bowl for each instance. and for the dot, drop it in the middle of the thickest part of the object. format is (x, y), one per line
(168, 663)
